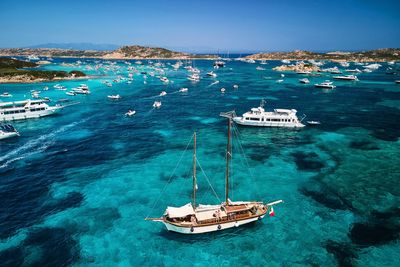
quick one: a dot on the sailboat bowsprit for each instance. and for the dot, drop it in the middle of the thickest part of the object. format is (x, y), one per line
(197, 219)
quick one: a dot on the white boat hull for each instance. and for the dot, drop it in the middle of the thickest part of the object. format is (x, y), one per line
(29, 114)
(209, 228)
(239, 120)
(5, 135)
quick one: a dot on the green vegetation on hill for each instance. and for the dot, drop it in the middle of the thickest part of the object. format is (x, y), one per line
(12, 68)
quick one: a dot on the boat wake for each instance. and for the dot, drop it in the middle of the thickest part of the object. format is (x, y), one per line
(35, 146)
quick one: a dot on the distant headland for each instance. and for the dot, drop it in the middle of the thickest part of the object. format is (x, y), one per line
(145, 52)
(378, 55)
(124, 52)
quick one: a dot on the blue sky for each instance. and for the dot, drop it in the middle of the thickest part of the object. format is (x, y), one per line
(205, 26)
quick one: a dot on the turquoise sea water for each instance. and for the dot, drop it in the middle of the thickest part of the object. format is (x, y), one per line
(75, 187)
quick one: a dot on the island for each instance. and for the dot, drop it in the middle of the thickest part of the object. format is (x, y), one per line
(124, 52)
(19, 71)
(378, 55)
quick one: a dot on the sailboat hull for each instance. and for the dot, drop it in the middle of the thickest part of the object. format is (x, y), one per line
(209, 228)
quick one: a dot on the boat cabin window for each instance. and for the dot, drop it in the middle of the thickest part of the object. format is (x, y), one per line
(255, 119)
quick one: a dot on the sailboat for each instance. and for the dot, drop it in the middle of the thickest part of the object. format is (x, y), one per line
(197, 219)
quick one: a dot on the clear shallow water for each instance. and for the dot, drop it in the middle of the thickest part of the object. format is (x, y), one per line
(76, 187)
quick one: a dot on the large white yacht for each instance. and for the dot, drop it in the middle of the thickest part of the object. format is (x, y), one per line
(26, 109)
(277, 118)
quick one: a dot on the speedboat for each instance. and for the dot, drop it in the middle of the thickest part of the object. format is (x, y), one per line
(222, 90)
(397, 81)
(313, 122)
(353, 70)
(157, 104)
(303, 72)
(304, 80)
(163, 93)
(6, 94)
(183, 90)
(194, 77)
(276, 118)
(212, 74)
(346, 77)
(326, 84)
(219, 64)
(114, 97)
(260, 68)
(235, 86)
(71, 93)
(7, 131)
(130, 113)
(164, 79)
(82, 89)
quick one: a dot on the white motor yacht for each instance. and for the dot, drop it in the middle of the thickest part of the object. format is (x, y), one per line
(276, 118)
(212, 74)
(163, 93)
(157, 104)
(164, 79)
(26, 109)
(346, 77)
(183, 90)
(326, 84)
(130, 113)
(194, 77)
(6, 94)
(304, 80)
(114, 97)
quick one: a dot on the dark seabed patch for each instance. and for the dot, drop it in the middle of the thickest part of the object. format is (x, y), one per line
(307, 161)
(57, 248)
(325, 197)
(380, 228)
(344, 253)
(363, 145)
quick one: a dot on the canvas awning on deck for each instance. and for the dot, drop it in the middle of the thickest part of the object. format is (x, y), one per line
(180, 212)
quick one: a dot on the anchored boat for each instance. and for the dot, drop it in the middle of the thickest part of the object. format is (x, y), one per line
(26, 109)
(277, 118)
(197, 219)
(7, 131)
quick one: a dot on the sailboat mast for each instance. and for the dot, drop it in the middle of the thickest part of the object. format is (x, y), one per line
(228, 156)
(194, 171)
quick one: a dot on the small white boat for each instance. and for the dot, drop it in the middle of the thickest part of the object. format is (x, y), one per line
(194, 77)
(212, 74)
(313, 122)
(279, 81)
(305, 81)
(164, 79)
(163, 93)
(114, 97)
(346, 77)
(7, 131)
(157, 104)
(71, 93)
(130, 113)
(326, 84)
(6, 94)
(303, 72)
(398, 81)
(260, 68)
(235, 86)
(222, 90)
(183, 90)
(353, 70)
(282, 75)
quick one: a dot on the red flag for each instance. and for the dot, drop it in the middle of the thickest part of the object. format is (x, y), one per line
(272, 212)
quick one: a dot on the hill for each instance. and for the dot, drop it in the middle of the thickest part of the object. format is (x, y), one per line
(386, 54)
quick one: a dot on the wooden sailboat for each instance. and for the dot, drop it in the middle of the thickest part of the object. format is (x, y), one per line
(196, 219)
